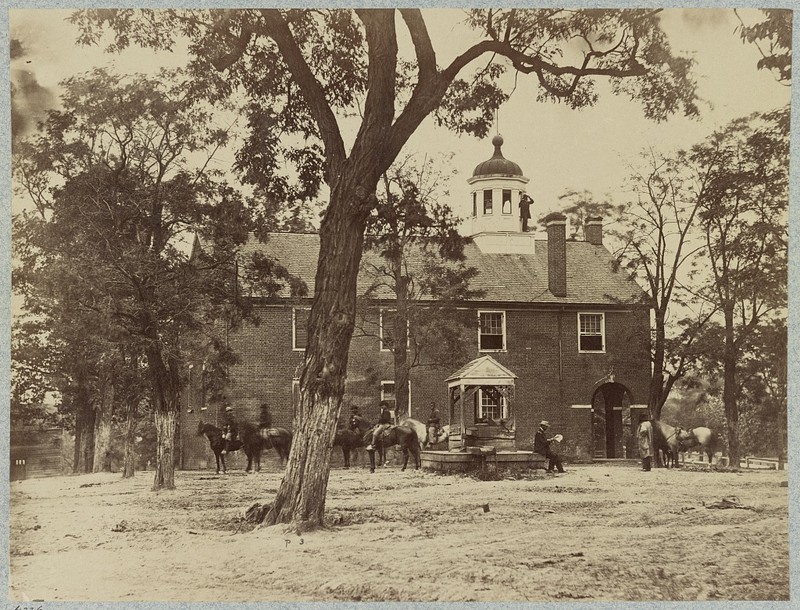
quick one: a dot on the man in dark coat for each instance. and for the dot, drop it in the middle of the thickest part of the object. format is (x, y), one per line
(541, 445)
(230, 428)
(355, 417)
(384, 421)
(264, 417)
(525, 211)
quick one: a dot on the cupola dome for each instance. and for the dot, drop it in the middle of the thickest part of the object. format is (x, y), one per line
(498, 165)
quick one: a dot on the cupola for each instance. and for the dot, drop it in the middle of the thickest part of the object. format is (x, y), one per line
(495, 223)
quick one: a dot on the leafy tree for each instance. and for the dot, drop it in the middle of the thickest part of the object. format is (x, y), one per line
(743, 217)
(773, 39)
(658, 245)
(303, 70)
(420, 265)
(118, 178)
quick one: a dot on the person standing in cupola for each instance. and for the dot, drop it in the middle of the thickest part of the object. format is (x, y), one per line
(525, 211)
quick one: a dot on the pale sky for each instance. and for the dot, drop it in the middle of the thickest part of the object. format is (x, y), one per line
(558, 149)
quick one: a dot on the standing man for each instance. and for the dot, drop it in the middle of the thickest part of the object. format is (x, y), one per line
(229, 429)
(384, 421)
(645, 434)
(525, 211)
(434, 425)
(541, 445)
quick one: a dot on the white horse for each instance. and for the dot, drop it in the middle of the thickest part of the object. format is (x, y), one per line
(424, 433)
(705, 437)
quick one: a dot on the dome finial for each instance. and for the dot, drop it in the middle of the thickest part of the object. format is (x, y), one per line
(497, 142)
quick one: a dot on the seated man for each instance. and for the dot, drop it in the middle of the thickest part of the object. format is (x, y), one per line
(384, 421)
(264, 417)
(541, 445)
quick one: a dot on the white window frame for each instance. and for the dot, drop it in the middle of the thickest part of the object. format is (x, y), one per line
(294, 329)
(510, 202)
(505, 344)
(483, 203)
(392, 410)
(503, 405)
(602, 332)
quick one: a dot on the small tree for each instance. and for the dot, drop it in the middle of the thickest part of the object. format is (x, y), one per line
(421, 267)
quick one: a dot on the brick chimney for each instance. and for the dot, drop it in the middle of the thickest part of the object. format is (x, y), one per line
(593, 230)
(557, 253)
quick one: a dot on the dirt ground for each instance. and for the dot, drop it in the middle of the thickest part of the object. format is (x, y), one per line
(599, 532)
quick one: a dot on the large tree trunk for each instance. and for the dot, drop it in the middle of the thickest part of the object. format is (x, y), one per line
(102, 429)
(729, 390)
(84, 433)
(129, 465)
(301, 496)
(165, 385)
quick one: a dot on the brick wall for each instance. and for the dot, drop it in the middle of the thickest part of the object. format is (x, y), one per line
(542, 350)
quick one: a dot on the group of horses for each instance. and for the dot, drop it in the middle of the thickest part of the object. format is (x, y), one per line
(251, 439)
(411, 435)
(670, 441)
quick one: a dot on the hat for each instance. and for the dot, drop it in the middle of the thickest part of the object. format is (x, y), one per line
(383, 403)
(228, 409)
(354, 408)
(545, 424)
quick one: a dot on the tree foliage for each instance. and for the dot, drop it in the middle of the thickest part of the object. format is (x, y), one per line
(773, 38)
(420, 266)
(119, 177)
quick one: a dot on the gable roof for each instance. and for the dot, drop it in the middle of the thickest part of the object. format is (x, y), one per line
(482, 371)
(504, 278)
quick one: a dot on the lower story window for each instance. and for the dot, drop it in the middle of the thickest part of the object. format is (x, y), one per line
(491, 406)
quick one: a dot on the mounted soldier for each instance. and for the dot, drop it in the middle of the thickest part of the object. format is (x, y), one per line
(230, 429)
(384, 422)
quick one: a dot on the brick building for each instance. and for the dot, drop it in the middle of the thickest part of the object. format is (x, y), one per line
(555, 312)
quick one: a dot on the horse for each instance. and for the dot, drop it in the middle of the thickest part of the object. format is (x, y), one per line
(705, 437)
(665, 438)
(279, 439)
(396, 435)
(349, 440)
(249, 440)
(424, 432)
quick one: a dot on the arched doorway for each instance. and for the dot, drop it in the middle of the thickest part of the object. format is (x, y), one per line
(611, 421)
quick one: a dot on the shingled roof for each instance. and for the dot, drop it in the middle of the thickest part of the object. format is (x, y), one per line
(504, 278)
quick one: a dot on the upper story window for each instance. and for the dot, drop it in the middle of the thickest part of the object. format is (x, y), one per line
(300, 328)
(492, 331)
(474, 204)
(506, 201)
(487, 201)
(591, 332)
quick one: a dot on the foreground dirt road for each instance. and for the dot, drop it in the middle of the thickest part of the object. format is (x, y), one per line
(596, 533)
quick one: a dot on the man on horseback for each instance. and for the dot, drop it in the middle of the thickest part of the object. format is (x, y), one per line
(433, 424)
(384, 421)
(264, 417)
(230, 429)
(355, 417)
(541, 445)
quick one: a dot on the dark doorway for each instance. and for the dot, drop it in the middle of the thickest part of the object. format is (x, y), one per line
(611, 421)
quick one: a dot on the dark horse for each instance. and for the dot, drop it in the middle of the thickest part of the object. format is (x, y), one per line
(251, 440)
(396, 435)
(349, 440)
(280, 439)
